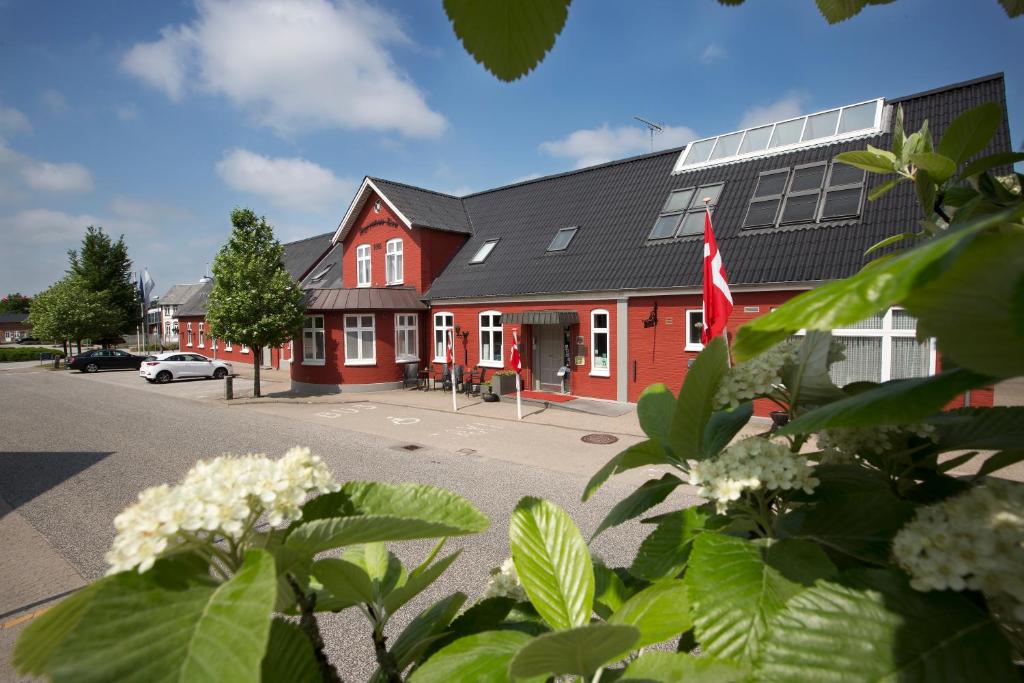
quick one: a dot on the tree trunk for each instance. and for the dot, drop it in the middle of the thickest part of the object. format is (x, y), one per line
(78, 342)
(257, 356)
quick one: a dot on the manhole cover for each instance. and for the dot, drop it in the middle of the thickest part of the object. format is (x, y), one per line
(599, 438)
(411, 447)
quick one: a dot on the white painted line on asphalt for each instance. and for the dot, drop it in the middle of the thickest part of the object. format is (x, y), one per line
(405, 421)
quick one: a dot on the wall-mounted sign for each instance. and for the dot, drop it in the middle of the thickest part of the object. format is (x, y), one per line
(581, 360)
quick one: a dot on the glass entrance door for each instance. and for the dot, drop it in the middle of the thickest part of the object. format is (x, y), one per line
(549, 357)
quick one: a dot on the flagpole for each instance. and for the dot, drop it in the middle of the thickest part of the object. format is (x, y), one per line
(519, 399)
(451, 338)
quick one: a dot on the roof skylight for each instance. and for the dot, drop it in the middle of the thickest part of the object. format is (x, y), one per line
(483, 252)
(813, 129)
(562, 239)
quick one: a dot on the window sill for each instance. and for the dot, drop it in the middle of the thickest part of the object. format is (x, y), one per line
(363, 285)
(363, 363)
(407, 359)
(397, 282)
(491, 364)
(313, 361)
(693, 347)
(601, 373)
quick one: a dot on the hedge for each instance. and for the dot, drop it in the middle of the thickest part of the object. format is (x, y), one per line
(11, 354)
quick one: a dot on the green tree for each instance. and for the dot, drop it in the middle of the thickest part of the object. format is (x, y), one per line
(102, 265)
(254, 300)
(69, 310)
(14, 303)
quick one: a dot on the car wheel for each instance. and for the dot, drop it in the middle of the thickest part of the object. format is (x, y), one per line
(163, 377)
(220, 373)
(92, 367)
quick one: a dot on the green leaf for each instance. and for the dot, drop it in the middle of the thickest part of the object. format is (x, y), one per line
(927, 190)
(663, 554)
(638, 455)
(654, 409)
(289, 655)
(981, 285)
(609, 590)
(138, 629)
(853, 512)
(807, 378)
(348, 584)
(724, 425)
(999, 461)
(680, 667)
(939, 167)
(899, 135)
(889, 241)
(650, 494)
(418, 583)
(970, 132)
(869, 161)
(382, 567)
(991, 161)
(696, 400)
(365, 512)
(736, 586)
(899, 401)
(42, 637)
(1013, 8)
(428, 626)
(842, 303)
(872, 626)
(578, 651)
(836, 11)
(553, 562)
(508, 37)
(881, 190)
(984, 428)
(483, 657)
(660, 612)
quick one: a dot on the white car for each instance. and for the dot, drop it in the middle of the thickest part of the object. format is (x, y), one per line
(172, 365)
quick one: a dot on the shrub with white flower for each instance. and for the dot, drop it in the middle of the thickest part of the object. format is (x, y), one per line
(842, 445)
(756, 377)
(504, 583)
(218, 499)
(753, 464)
(974, 540)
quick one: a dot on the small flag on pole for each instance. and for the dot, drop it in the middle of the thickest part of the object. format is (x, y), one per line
(717, 303)
(145, 287)
(517, 365)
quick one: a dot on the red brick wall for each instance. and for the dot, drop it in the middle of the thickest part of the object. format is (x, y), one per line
(334, 370)
(437, 249)
(235, 355)
(467, 318)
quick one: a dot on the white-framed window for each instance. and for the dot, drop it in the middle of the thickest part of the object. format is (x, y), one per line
(443, 324)
(245, 348)
(227, 345)
(600, 344)
(363, 265)
(491, 339)
(360, 340)
(7, 335)
(393, 262)
(406, 337)
(188, 334)
(881, 348)
(313, 340)
(202, 335)
(694, 326)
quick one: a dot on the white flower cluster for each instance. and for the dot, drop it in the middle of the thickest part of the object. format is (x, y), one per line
(974, 540)
(749, 465)
(504, 583)
(841, 445)
(222, 497)
(756, 377)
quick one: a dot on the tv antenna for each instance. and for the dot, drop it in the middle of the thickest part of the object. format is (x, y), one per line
(653, 128)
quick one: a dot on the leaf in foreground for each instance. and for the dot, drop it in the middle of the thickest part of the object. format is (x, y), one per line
(670, 667)
(661, 611)
(483, 657)
(578, 651)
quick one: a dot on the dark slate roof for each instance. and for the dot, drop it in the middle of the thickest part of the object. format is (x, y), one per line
(363, 298)
(196, 304)
(179, 294)
(616, 204)
(13, 317)
(426, 208)
(328, 269)
(300, 256)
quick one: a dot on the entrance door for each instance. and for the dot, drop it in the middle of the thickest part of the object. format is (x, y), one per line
(549, 357)
(265, 358)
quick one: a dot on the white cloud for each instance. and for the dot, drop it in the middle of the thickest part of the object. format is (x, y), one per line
(51, 177)
(127, 112)
(293, 65)
(591, 146)
(46, 226)
(524, 178)
(788, 107)
(13, 121)
(288, 182)
(712, 53)
(54, 101)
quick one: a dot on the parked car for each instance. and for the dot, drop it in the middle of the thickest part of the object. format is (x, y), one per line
(172, 365)
(28, 340)
(104, 359)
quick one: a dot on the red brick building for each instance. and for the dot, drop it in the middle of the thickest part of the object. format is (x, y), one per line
(14, 326)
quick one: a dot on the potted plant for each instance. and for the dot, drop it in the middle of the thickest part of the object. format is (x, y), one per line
(503, 382)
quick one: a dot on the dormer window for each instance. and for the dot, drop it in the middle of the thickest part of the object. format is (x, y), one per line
(562, 239)
(321, 274)
(683, 213)
(484, 251)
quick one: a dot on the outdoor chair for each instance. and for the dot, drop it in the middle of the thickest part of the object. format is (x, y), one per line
(442, 376)
(460, 378)
(411, 375)
(476, 380)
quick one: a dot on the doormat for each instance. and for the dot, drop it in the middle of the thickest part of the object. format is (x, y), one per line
(548, 396)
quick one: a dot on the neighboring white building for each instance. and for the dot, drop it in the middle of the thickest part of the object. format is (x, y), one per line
(169, 304)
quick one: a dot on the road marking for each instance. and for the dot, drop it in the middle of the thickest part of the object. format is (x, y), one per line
(405, 421)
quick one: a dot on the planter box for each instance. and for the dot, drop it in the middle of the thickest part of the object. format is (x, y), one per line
(503, 384)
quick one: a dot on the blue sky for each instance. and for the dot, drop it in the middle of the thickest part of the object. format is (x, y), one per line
(154, 119)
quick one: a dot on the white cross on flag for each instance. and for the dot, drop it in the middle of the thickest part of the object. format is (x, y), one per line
(717, 297)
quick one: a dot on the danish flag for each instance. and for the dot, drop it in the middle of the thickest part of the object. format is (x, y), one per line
(717, 298)
(449, 357)
(516, 362)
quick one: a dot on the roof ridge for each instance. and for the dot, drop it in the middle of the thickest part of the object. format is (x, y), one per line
(999, 75)
(414, 187)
